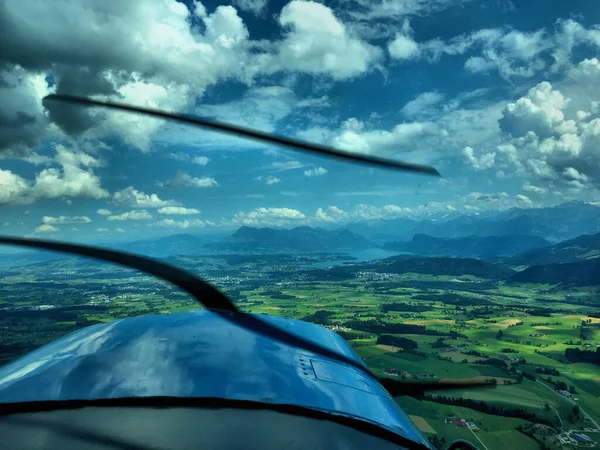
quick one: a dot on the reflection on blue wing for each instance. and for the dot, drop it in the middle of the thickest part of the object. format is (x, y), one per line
(199, 354)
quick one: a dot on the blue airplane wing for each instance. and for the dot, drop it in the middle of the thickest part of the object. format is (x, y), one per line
(200, 355)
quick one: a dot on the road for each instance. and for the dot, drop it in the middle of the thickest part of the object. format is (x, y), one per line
(573, 403)
(562, 424)
(477, 437)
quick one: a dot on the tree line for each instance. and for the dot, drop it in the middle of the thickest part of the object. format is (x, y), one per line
(489, 408)
(373, 326)
(404, 343)
(577, 355)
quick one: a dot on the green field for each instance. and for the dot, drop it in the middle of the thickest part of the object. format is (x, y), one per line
(460, 330)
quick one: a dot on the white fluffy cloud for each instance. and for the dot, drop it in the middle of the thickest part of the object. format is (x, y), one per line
(485, 161)
(13, 188)
(316, 172)
(511, 53)
(555, 138)
(138, 199)
(46, 228)
(331, 214)
(540, 112)
(170, 54)
(104, 212)
(183, 179)
(151, 40)
(317, 42)
(268, 217)
(177, 210)
(268, 179)
(404, 46)
(185, 157)
(183, 224)
(73, 178)
(534, 189)
(64, 219)
(354, 137)
(131, 215)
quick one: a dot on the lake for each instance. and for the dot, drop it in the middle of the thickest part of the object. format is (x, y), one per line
(356, 256)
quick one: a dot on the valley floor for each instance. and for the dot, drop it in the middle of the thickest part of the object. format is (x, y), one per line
(464, 328)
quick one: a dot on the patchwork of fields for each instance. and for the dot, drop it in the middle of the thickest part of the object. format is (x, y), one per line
(458, 328)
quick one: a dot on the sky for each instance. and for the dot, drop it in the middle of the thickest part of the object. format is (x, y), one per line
(501, 96)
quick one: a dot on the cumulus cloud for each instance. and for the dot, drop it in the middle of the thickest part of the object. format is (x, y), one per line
(103, 212)
(331, 214)
(317, 42)
(334, 214)
(485, 161)
(476, 202)
(404, 46)
(316, 172)
(268, 216)
(64, 219)
(170, 56)
(185, 157)
(14, 189)
(157, 46)
(547, 137)
(138, 199)
(177, 210)
(509, 52)
(268, 179)
(552, 136)
(46, 228)
(370, 212)
(523, 200)
(131, 215)
(73, 178)
(534, 189)
(183, 224)
(540, 112)
(354, 137)
(183, 179)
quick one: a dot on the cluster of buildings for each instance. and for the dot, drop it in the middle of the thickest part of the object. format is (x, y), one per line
(575, 438)
(463, 423)
(337, 328)
(29, 308)
(567, 394)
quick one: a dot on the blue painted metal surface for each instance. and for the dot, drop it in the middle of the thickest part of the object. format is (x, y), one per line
(199, 354)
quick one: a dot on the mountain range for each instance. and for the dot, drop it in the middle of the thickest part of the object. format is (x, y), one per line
(177, 244)
(299, 239)
(554, 224)
(572, 250)
(581, 273)
(486, 247)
